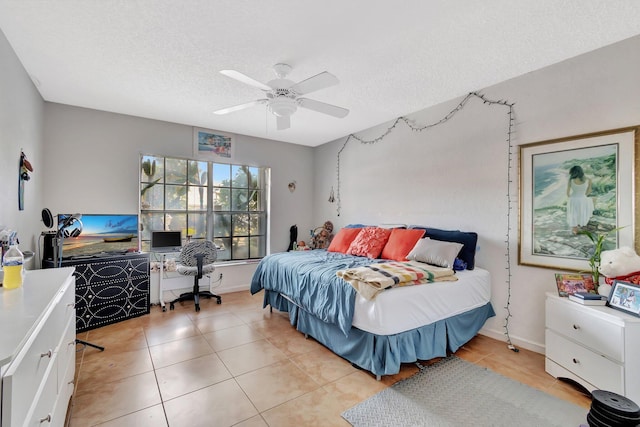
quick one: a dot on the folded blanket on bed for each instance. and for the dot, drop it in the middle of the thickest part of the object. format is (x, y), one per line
(369, 280)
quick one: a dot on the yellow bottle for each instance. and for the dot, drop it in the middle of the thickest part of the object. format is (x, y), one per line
(12, 266)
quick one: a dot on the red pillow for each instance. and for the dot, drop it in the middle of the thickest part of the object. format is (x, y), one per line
(369, 242)
(343, 239)
(400, 243)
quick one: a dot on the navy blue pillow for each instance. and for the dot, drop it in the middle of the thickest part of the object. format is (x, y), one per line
(469, 241)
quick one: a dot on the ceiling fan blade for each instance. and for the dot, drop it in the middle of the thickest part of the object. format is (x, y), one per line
(240, 107)
(283, 122)
(245, 79)
(322, 107)
(317, 82)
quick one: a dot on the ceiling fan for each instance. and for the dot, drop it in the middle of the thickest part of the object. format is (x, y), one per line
(283, 95)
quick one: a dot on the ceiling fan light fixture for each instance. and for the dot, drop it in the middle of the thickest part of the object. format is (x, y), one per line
(283, 95)
(282, 106)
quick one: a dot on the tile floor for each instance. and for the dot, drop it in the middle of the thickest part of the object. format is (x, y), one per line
(236, 364)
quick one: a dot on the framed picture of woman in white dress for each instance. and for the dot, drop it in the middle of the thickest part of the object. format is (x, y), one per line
(572, 185)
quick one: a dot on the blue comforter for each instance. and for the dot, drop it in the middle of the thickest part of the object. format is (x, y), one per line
(309, 279)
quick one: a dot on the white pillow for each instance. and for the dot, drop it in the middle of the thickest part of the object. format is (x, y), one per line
(435, 252)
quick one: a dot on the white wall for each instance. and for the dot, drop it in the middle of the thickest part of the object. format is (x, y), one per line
(21, 111)
(93, 167)
(455, 175)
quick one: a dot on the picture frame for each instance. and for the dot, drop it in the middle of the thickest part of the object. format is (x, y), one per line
(625, 296)
(549, 237)
(569, 284)
(213, 144)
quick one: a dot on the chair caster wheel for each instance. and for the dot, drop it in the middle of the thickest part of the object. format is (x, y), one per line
(197, 307)
(171, 307)
(164, 308)
(219, 301)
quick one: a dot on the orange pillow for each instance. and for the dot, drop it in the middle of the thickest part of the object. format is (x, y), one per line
(400, 243)
(369, 242)
(343, 239)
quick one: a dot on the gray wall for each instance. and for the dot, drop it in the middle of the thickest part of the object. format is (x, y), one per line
(93, 162)
(455, 175)
(21, 112)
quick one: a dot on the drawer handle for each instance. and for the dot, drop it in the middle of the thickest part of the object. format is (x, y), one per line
(576, 327)
(46, 419)
(72, 305)
(576, 361)
(47, 354)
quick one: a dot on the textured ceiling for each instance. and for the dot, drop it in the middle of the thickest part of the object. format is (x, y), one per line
(161, 59)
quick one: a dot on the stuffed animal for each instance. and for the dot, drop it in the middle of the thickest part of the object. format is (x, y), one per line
(621, 264)
(322, 236)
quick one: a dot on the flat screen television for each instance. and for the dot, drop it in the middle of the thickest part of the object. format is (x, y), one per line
(93, 234)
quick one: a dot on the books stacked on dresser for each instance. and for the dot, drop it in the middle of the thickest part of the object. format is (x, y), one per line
(588, 298)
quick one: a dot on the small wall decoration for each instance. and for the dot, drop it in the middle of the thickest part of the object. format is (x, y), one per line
(23, 175)
(573, 186)
(212, 144)
(625, 296)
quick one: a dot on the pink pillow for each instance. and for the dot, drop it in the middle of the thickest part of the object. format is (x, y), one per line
(343, 239)
(400, 243)
(369, 242)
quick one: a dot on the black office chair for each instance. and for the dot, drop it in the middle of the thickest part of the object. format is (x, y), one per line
(196, 259)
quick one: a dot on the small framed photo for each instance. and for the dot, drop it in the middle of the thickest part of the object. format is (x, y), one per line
(212, 144)
(625, 296)
(569, 284)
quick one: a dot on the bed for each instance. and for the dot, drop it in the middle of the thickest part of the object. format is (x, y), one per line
(400, 325)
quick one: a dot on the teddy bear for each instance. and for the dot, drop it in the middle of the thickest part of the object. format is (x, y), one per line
(620, 264)
(322, 236)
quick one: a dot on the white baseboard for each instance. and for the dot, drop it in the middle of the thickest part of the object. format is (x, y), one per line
(516, 341)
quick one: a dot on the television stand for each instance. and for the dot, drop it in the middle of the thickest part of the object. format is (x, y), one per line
(109, 289)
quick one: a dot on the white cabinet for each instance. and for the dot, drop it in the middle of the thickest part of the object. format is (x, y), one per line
(596, 346)
(37, 349)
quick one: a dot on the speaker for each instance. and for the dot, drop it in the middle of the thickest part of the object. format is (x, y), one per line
(49, 245)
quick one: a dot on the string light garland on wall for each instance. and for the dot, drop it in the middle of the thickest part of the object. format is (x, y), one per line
(444, 119)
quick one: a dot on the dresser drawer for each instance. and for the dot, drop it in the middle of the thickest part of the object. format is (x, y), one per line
(94, 316)
(591, 366)
(27, 372)
(42, 411)
(67, 354)
(101, 293)
(98, 272)
(582, 326)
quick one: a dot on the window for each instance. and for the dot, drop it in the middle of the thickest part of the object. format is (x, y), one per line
(225, 203)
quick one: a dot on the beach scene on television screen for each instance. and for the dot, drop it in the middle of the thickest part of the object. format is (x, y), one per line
(103, 233)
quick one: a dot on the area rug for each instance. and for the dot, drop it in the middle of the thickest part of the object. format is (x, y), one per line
(456, 393)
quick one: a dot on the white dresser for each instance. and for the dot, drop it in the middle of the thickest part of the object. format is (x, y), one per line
(37, 349)
(596, 346)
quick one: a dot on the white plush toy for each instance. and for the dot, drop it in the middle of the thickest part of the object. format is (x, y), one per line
(621, 264)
